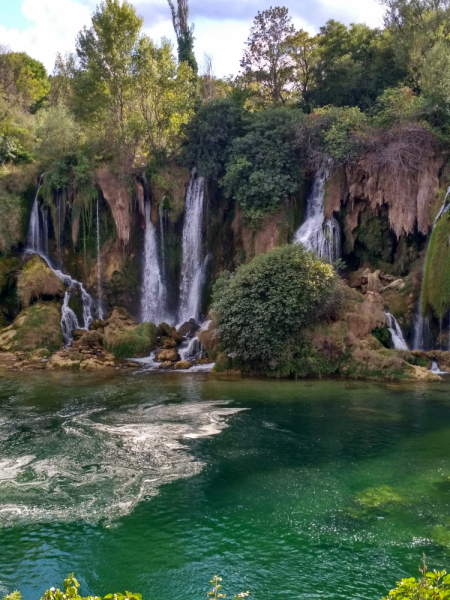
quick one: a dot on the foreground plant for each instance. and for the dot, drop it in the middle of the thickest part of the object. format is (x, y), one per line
(431, 586)
(215, 593)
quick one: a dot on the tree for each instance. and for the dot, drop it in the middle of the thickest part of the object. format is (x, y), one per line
(164, 92)
(353, 66)
(184, 33)
(24, 80)
(103, 85)
(210, 135)
(302, 49)
(263, 170)
(435, 76)
(267, 59)
(61, 80)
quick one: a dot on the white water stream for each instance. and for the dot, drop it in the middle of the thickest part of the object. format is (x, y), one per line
(396, 333)
(154, 295)
(318, 233)
(192, 268)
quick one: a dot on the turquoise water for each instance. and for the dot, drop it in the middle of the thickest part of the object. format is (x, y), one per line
(155, 482)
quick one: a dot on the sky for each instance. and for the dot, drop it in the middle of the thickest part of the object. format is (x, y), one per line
(44, 27)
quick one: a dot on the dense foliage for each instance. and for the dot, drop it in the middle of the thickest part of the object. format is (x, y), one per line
(261, 308)
(436, 281)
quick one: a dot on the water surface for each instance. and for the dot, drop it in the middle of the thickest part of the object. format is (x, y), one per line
(155, 482)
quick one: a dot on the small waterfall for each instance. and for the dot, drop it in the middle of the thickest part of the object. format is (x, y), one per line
(69, 320)
(45, 217)
(99, 268)
(444, 208)
(317, 233)
(154, 296)
(192, 268)
(419, 325)
(34, 237)
(396, 333)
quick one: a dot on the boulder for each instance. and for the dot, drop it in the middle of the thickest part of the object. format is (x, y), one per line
(189, 329)
(183, 365)
(168, 343)
(125, 338)
(168, 355)
(36, 281)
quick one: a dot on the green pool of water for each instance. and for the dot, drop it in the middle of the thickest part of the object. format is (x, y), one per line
(155, 482)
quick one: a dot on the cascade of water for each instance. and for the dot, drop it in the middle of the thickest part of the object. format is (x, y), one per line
(317, 233)
(444, 208)
(45, 216)
(153, 299)
(99, 268)
(69, 321)
(192, 268)
(34, 238)
(396, 333)
(162, 241)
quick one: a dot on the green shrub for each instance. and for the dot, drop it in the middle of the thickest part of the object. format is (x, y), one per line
(261, 308)
(39, 327)
(210, 134)
(133, 343)
(383, 336)
(263, 170)
(431, 586)
(11, 213)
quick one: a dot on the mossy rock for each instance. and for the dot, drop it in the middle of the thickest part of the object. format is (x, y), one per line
(38, 326)
(436, 276)
(372, 501)
(125, 341)
(223, 363)
(37, 281)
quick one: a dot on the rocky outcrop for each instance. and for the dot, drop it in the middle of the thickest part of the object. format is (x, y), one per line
(117, 196)
(36, 281)
(409, 192)
(36, 327)
(124, 338)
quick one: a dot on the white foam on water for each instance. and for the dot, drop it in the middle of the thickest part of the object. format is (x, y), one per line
(99, 464)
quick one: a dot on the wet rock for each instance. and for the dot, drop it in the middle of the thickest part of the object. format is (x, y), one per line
(166, 365)
(183, 365)
(168, 343)
(189, 329)
(168, 355)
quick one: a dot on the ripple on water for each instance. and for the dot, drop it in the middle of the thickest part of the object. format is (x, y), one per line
(100, 464)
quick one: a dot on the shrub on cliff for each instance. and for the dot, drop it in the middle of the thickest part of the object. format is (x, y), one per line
(262, 307)
(263, 170)
(210, 134)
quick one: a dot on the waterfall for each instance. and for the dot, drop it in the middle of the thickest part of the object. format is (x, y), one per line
(34, 237)
(192, 271)
(154, 296)
(419, 324)
(99, 268)
(162, 240)
(69, 320)
(396, 333)
(317, 233)
(45, 217)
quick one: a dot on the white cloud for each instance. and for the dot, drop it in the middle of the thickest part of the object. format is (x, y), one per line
(56, 24)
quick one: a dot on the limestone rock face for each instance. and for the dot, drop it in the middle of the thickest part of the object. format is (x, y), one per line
(116, 195)
(189, 329)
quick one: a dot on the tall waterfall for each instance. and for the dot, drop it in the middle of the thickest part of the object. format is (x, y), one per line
(35, 237)
(154, 295)
(191, 272)
(317, 233)
(396, 333)
(99, 267)
(38, 244)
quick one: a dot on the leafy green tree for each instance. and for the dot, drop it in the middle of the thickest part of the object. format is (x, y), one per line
(164, 92)
(263, 170)
(184, 33)
(353, 66)
(24, 80)
(267, 60)
(61, 80)
(262, 307)
(210, 135)
(103, 87)
(302, 49)
(435, 76)
(416, 26)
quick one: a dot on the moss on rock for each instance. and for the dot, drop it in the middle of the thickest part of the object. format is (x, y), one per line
(125, 339)
(37, 281)
(36, 327)
(436, 277)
